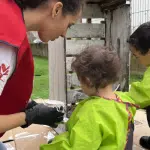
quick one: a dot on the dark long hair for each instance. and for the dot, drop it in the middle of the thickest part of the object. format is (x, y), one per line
(140, 39)
(69, 6)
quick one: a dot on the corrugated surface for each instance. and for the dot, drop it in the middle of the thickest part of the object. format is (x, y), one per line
(140, 12)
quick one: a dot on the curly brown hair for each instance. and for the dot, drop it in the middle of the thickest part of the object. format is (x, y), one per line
(99, 64)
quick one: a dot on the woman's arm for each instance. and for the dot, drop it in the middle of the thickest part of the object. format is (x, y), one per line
(8, 122)
(35, 113)
(140, 91)
(7, 67)
(8, 55)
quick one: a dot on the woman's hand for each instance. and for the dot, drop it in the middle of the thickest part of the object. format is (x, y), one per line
(44, 115)
(31, 104)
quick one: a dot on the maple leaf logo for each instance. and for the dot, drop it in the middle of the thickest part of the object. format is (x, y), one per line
(3, 71)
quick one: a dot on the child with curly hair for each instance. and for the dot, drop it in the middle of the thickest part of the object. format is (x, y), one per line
(103, 120)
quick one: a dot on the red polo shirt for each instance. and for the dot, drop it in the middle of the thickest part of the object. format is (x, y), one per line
(18, 88)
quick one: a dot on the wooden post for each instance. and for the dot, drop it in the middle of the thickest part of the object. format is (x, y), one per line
(57, 77)
(117, 32)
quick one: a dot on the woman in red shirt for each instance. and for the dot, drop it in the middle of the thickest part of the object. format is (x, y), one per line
(51, 18)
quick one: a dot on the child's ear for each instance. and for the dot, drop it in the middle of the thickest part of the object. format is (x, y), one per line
(88, 82)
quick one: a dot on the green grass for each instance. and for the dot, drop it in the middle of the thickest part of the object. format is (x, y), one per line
(135, 77)
(41, 81)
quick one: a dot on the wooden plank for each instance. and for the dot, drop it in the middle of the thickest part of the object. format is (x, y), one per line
(57, 81)
(75, 95)
(69, 60)
(87, 31)
(76, 46)
(72, 80)
(92, 11)
(116, 38)
(112, 4)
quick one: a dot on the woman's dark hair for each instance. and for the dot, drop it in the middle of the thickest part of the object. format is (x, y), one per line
(69, 6)
(99, 64)
(140, 39)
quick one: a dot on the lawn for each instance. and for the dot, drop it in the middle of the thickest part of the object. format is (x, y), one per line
(135, 77)
(41, 81)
